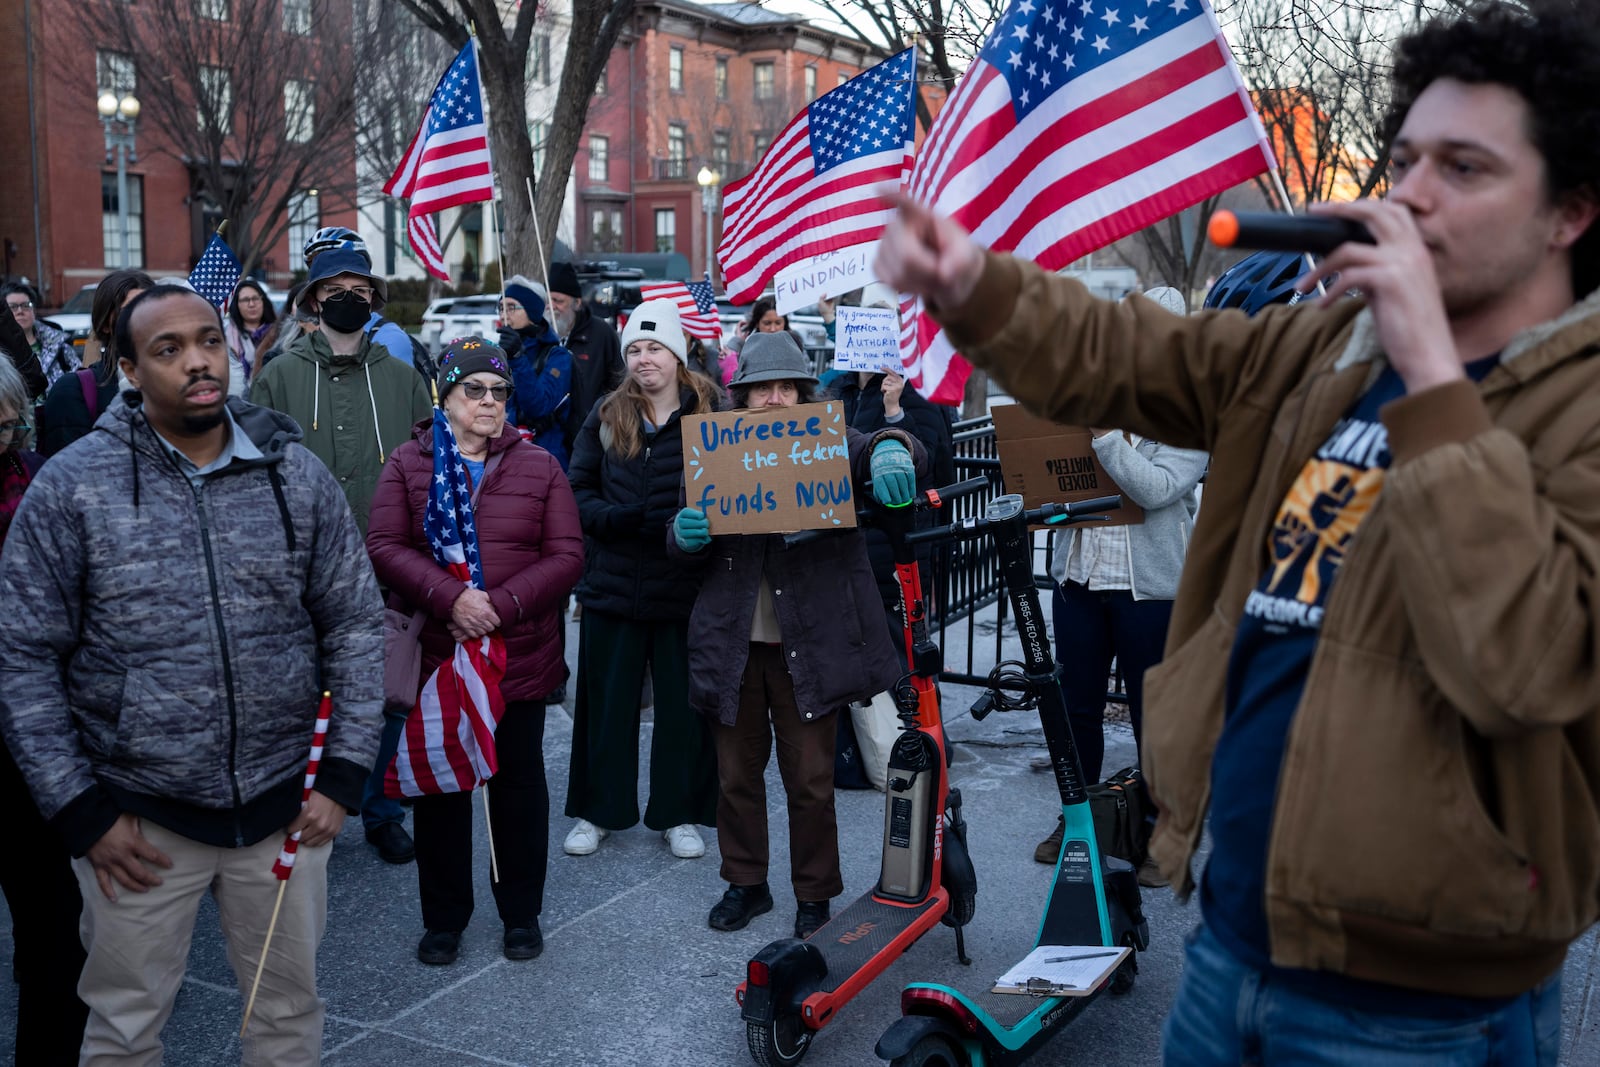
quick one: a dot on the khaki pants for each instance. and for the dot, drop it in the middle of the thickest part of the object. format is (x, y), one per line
(138, 947)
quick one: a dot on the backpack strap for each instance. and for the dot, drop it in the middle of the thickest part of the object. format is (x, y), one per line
(91, 394)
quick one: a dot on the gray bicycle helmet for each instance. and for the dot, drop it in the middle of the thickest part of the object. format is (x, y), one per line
(1257, 281)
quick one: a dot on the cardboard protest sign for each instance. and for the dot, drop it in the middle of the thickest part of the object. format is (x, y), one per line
(1053, 464)
(770, 470)
(829, 274)
(866, 339)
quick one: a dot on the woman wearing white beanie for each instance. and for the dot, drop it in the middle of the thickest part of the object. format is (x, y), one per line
(627, 470)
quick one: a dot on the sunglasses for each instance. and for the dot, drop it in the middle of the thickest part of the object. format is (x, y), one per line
(475, 391)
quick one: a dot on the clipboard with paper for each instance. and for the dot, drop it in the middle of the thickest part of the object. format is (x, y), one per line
(1062, 970)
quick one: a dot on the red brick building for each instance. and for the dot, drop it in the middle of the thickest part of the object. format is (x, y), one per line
(60, 222)
(694, 85)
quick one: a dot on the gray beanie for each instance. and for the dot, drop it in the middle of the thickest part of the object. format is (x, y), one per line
(772, 357)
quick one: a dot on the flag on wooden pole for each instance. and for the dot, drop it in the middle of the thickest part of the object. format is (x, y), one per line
(1076, 125)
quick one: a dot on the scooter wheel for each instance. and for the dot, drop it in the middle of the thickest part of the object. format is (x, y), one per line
(1126, 974)
(780, 1043)
(933, 1050)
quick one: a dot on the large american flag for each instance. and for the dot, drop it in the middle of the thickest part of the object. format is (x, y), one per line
(1078, 124)
(217, 272)
(447, 163)
(697, 306)
(813, 191)
(448, 744)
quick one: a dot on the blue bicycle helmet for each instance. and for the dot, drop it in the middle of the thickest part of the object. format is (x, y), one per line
(1257, 281)
(330, 237)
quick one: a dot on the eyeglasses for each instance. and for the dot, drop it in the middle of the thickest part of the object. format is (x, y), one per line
(475, 391)
(15, 426)
(26, 305)
(249, 298)
(507, 307)
(362, 292)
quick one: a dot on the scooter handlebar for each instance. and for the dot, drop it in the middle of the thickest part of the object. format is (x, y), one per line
(976, 526)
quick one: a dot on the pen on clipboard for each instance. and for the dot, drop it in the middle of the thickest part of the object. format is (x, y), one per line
(1083, 956)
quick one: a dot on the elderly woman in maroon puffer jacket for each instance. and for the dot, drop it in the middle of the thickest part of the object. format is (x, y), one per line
(531, 545)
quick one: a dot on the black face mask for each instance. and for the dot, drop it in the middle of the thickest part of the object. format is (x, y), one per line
(347, 315)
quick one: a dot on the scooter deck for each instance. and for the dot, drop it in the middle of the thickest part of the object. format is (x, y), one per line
(1009, 1009)
(858, 933)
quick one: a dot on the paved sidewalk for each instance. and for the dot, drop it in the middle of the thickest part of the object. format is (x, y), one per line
(631, 974)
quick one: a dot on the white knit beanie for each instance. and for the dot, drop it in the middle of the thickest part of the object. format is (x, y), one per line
(657, 320)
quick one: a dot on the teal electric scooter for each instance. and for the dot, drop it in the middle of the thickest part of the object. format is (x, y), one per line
(1094, 898)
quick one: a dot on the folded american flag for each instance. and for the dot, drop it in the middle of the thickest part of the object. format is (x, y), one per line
(448, 744)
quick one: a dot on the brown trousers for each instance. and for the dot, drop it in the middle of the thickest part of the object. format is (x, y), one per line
(805, 762)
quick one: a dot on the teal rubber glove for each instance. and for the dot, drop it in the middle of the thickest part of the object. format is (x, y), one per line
(894, 479)
(692, 529)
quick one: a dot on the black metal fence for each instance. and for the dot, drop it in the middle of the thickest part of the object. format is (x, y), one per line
(971, 602)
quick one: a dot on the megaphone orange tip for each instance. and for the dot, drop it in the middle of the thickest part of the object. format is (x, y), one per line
(1223, 230)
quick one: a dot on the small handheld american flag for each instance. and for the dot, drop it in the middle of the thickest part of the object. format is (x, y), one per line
(697, 306)
(217, 272)
(284, 864)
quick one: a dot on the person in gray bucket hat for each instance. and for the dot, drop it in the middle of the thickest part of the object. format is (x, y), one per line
(760, 667)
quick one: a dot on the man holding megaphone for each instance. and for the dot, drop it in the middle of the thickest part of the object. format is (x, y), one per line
(1382, 675)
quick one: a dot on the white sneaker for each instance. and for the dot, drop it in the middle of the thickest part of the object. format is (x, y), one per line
(584, 838)
(685, 842)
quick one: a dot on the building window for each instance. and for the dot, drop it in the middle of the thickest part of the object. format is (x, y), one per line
(304, 218)
(115, 71)
(599, 158)
(605, 229)
(299, 110)
(539, 59)
(537, 132)
(666, 229)
(811, 84)
(722, 79)
(216, 99)
(111, 221)
(762, 142)
(766, 88)
(720, 153)
(297, 17)
(843, 77)
(675, 69)
(600, 83)
(677, 151)
(215, 10)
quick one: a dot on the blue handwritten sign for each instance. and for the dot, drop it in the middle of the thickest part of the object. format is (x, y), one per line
(770, 470)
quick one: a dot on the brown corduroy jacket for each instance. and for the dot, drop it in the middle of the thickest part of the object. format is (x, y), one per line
(1436, 823)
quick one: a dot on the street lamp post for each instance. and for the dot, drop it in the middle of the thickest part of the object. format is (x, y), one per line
(117, 115)
(708, 180)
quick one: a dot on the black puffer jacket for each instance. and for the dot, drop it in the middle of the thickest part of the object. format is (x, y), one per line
(597, 368)
(626, 505)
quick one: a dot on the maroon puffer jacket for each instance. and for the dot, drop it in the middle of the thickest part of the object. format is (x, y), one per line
(530, 541)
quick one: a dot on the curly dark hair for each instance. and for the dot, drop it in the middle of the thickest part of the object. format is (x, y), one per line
(1546, 52)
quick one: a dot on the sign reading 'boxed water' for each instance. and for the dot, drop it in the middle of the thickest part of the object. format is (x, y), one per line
(866, 339)
(770, 470)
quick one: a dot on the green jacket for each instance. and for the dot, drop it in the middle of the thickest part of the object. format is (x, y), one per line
(354, 410)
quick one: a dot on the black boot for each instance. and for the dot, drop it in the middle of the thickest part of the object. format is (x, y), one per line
(739, 905)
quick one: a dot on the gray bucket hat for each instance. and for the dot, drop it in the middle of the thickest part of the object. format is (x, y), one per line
(772, 357)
